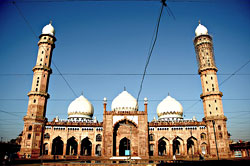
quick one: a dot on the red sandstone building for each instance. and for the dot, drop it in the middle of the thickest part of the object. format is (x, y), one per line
(125, 130)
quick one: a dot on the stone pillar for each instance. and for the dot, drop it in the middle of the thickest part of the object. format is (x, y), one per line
(79, 148)
(64, 148)
(50, 148)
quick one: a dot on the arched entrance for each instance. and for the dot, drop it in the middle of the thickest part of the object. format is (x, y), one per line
(71, 146)
(57, 146)
(191, 146)
(98, 150)
(176, 147)
(86, 147)
(124, 146)
(45, 149)
(125, 129)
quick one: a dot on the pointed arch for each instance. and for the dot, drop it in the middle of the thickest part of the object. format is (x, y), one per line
(57, 146)
(123, 146)
(177, 146)
(86, 147)
(163, 146)
(192, 146)
(72, 145)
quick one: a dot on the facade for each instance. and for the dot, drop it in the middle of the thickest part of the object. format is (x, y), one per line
(125, 131)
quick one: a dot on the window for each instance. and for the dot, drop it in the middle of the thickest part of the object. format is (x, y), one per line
(30, 128)
(215, 101)
(41, 59)
(219, 128)
(36, 89)
(45, 64)
(211, 78)
(203, 136)
(209, 105)
(46, 136)
(29, 136)
(220, 136)
(151, 137)
(98, 138)
(207, 89)
(212, 89)
(44, 37)
(216, 108)
(34, 101)
(206, 82)
(42, 52)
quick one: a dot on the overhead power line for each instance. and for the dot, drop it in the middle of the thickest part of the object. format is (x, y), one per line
(151, 49)
(123, 74)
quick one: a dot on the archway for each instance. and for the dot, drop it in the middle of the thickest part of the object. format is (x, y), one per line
(98, 150)
(71, 146)
(192, 146)
(176, 147)
(124, 147)
(86, 147)
(162, 147)
(118, 134)
(45, 149)
(57, 146)
(204, 148)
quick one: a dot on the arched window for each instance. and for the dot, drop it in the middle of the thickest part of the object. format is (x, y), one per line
(220, 136)
(29, 136)
(46, 136)
(219, 127)
(98, 138)
(151, 149)
(203, 136)
(151, 137)
(30, 128)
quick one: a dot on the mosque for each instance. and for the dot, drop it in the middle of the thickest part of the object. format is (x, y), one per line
(125, 132)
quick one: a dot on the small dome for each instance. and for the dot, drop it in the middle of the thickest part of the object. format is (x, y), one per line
(201, 30)
(48, 29)
(124, 102)
(169, 108)
(80, 108)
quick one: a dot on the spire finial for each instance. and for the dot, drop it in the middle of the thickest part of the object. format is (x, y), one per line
(125, 88)
(82, 93)
(50, 22)
(168, 94)
(199, 21)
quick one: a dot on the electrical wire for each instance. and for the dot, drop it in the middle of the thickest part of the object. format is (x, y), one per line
(33, 32)
(150, 52)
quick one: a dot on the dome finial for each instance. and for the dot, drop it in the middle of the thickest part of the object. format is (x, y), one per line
(124, 88)
(199, 21)
(50, 22)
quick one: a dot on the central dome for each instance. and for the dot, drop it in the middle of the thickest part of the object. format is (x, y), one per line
(80, 108)
(124, 102)
(169, 108)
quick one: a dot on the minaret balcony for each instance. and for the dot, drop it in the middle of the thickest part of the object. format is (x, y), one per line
(203, 95)
(42, 67)
(44, 94)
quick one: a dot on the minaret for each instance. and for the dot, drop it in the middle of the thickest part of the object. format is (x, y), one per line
(211, 96)
(32, 139)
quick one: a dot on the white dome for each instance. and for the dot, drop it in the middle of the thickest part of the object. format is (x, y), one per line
(201, 30)
(80, 108)
(48, 29)
(124, 102)
(169, 108)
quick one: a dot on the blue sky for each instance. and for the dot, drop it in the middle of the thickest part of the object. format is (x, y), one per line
(114, 37)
